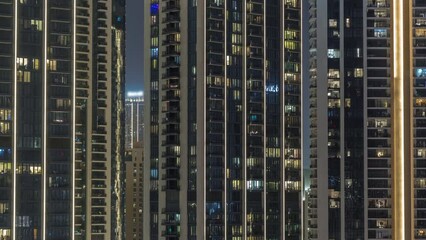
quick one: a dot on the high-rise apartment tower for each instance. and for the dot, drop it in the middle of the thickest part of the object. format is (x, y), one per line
(223, 119)
(368, 119)
(60, 76)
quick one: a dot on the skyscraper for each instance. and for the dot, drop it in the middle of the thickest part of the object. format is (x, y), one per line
(368, 115)
(134, 118)
(134, 192)
(56, 111)
(223, 119)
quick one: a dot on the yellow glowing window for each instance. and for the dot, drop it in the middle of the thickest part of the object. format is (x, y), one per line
(420, 183)
(332, 23)
(38, 24)
(236, 184)
(420, 32)
(291, 3)
(51, 65)
(292, 45)
(334, 103)
(5, 167)
(236, 38)
(292, 164)
(333, 73)
(291, 35)
(236, 50)
(358, 72)
(154, 64)
(236, 95)
(236, 27)
(154, 42)
(4, 232)
(36, 64)
(292, 185)
(420, 102)
(4, 128)
(5, 114)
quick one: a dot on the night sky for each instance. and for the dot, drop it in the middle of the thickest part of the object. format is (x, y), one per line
(134, 47)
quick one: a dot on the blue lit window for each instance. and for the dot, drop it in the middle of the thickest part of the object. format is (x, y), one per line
(213, 209)
(254, 117)
(154, 8)
(5, 153)
(272, 88)
(333, 53)
(154, 173)
(154, 52)
(421, 72)
(380, 32)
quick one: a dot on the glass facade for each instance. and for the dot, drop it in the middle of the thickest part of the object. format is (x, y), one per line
(379, 152)
(376, 129)
(225, 149)
(54, 121)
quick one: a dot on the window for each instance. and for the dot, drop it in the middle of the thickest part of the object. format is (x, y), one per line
(5, 167)
(254, 185)
(333, 73)
(5, 114)
(5, 128)
(333, 53)
(236, 27)
(348, 22)
(292, 185)
(358, 72)
(332, 23)
(51, 65)
(236, 39)
(380, 32)
(420, 32)
(22, 62)
(23, 76)
(380, 13)
(154, 52)
(421, 72)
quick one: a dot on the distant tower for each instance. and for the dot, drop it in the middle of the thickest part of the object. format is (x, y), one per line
(134, 118)
(134, 192)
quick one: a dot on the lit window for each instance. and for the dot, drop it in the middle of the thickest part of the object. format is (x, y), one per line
(334, 203)
(154, 52)
(333, 53)
(332, 23)
(380, 32)
(348, 22)
(421, 72)
(22, 62)
(333, 73)
(51, 65)
(254, 185)
(358, 72)
(5, 114)
(292, 185)
(420, 32)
